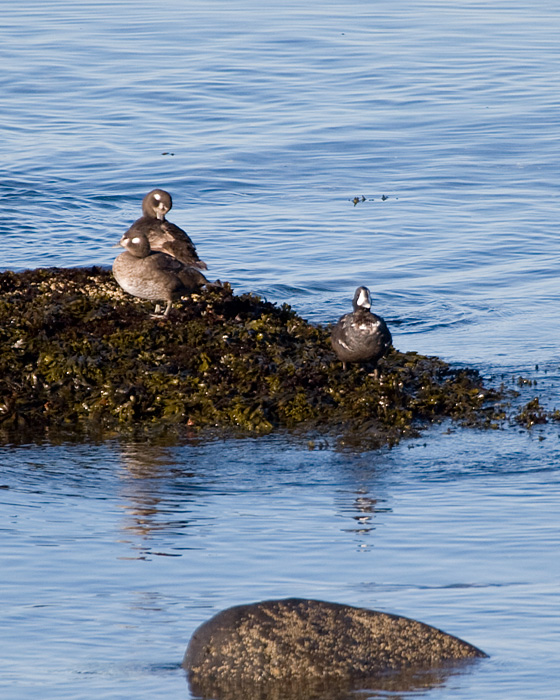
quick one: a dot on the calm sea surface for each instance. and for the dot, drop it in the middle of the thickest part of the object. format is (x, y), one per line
(264, 122)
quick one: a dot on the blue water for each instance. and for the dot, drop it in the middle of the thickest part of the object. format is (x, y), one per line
(264, 123)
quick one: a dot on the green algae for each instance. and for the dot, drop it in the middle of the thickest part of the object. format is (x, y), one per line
(79, 354)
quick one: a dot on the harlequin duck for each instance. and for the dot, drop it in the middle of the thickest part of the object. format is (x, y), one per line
(360, 336)
(164, 236)
(151, 275)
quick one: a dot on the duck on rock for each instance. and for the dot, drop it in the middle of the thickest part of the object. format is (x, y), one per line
(164, 236)
(152, 275)
(361, 336)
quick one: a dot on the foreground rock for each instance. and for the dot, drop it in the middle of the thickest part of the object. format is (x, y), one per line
(293, 641)
(78, 354)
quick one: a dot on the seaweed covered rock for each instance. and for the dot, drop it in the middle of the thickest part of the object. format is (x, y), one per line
(79, 354)
(291, 640)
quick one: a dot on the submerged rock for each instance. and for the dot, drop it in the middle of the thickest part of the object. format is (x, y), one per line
(78, 354)
(295, 640)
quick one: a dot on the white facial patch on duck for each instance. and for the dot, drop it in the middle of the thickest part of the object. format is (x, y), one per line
(363, 300)
(135, 240)
(157, 196)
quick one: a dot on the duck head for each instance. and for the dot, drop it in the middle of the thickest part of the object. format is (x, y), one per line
(136, 244)
(362, 299)
(156, 204)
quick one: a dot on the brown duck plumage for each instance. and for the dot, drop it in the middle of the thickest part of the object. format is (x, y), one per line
(152, 275)
(162, 235)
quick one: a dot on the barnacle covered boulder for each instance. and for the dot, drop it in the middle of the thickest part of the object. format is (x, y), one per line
(295, 641)
(78, 354)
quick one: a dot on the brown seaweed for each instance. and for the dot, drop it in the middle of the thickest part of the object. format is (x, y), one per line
(79, 354)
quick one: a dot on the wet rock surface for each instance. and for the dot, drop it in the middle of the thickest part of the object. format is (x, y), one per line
(295, 641)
